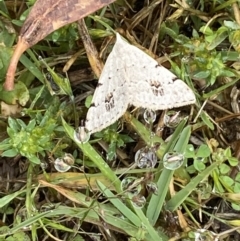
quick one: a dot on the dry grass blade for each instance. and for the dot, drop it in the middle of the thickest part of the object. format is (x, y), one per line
(44, 18)
(91, 51)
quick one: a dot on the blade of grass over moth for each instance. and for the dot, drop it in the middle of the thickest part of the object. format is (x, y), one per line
(44, 18)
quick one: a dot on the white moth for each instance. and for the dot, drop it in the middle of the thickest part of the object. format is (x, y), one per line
(131, 77)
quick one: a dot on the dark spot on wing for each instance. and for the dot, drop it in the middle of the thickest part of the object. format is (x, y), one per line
(92, 105)
(109, 101)
(156, 87)
(175, 78)
(99, 84)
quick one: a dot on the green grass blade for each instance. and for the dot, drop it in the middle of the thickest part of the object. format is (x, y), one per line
(156, 202)
(146, 231)
(8, 198)
(145, 133)
(119, 205)
(32, 67)
(27, 223)
(90, 152)
(178, 199)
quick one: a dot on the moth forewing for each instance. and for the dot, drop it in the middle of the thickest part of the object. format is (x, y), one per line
(131, 77)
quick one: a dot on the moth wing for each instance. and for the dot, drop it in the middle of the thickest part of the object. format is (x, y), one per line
(110, 99)
(152, 86)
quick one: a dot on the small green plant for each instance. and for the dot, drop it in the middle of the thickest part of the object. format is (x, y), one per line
(33, 139)
(199, 51)
(222, 180)
(199, 157)
(115, 140)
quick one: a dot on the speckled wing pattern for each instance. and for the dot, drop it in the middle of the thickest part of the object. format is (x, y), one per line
(110, 99)
(132, 77)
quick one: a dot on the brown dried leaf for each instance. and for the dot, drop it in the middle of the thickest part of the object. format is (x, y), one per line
(44, 18)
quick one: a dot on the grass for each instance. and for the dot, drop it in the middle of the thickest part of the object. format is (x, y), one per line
(91, 201)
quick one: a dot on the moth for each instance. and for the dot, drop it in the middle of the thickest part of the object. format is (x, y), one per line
(131, 77)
